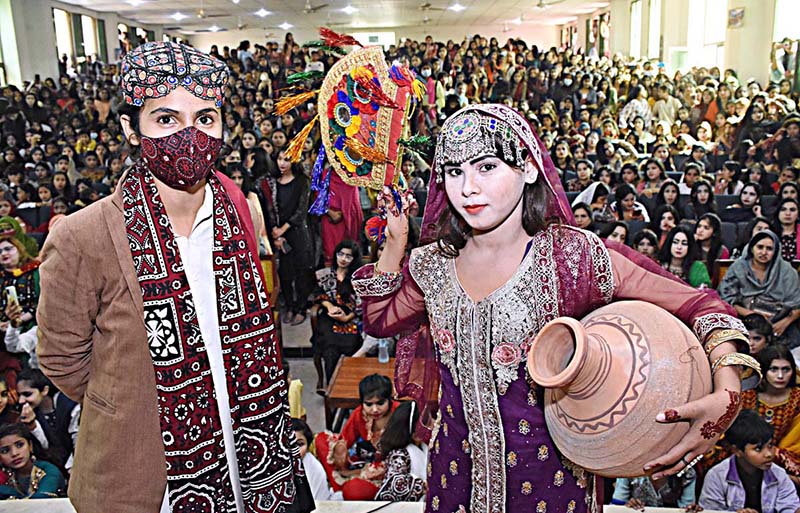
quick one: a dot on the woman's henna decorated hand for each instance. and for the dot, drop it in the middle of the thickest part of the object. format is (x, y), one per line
(709, 417)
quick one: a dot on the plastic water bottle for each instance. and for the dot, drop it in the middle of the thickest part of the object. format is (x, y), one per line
(383, 351)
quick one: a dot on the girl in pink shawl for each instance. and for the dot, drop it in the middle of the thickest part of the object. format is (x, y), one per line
(502, 260)
(344, 217)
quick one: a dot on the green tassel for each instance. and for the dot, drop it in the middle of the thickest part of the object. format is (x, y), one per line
(419, 143)
(325, 48)
(296, 78)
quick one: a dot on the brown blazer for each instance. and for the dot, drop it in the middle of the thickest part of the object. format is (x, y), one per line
(93, 346)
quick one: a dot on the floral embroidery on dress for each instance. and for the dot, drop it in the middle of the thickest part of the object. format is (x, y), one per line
(505, 360)
(524, 427)
(527, 488)
(571, 506)
(541, 507)
(445, 429)
(454, 467)
(558, 478)
(449, 410)
(532, 401)
(544, 453)
(465, 446)
(511, 459)
(444, 481)
(435, 503)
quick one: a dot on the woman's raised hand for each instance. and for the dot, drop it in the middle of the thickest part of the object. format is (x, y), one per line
(396, 219)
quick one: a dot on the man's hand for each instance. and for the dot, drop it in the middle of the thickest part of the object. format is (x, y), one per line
(635, 504)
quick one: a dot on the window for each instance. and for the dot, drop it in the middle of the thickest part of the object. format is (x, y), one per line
(63, 34)
(654, 30)
(89, 35)
(636, 29)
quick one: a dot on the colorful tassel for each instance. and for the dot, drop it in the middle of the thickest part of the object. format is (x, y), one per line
(367, 152)
(322, 202)
(288, 103)
(325, 48)
(316, 171)
(334, 39)
(375, 229)
(419, 87)
(418, 143)
(296, 78)
(294, 150)
(364, 76)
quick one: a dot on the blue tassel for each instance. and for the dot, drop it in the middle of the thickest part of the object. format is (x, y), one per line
(320, 206)
(316, 171)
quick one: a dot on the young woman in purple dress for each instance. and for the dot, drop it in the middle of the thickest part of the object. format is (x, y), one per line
(502, 259)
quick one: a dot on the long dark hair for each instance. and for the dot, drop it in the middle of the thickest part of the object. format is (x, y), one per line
(776, 223)
(700, 208)
(660, 197)
(346, 288)
(655, 221)
(400, 427)
(454, 231)
(775, 352)
(622, 191)
(716, 238)
(665, 256)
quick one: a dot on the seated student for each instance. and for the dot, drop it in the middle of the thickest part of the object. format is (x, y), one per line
(670, 492)
(405, 455)
(22, 476)
(53, 420)
(760, 330)
(8, 412)
(315, 472)
(777, 400)
(748, 482)
(353, 459)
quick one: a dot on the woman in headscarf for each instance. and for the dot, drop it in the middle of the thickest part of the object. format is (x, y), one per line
(495, 204)
(760, 281)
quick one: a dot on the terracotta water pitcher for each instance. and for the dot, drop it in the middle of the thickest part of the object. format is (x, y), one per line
(609, 375)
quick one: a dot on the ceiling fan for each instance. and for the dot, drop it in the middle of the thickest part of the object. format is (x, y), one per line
(311, 9)
(428, 7)
(544, 4)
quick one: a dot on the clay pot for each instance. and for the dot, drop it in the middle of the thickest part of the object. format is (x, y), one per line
(609, 375)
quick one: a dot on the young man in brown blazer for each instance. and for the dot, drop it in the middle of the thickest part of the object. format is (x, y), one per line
(153, 315)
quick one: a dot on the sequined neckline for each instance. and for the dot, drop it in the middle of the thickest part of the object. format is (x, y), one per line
(499, 291)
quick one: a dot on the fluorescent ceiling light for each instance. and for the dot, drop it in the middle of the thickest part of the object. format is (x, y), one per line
(135, 3)
(349, 9)
(214, 28)
(263, 12)
(235, 1)
(178, 16)
(457, 7)
(517, 20)
(285, 25)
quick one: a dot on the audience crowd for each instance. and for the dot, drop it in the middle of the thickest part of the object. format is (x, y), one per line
(697, 170)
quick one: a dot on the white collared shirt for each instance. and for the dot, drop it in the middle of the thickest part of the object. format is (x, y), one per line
(196, 254)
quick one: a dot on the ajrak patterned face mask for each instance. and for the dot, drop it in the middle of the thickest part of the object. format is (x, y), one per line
(181, 160)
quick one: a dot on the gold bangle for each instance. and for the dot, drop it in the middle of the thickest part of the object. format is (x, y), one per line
(716, 342)
(748, 363)
(727, 335)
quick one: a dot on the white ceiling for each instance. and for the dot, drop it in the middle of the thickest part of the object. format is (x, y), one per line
(229, 15)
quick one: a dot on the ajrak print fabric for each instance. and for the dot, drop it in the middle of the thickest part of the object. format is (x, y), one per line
(182, 159)
(197, 470)
(155, 69)
(491, 438)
